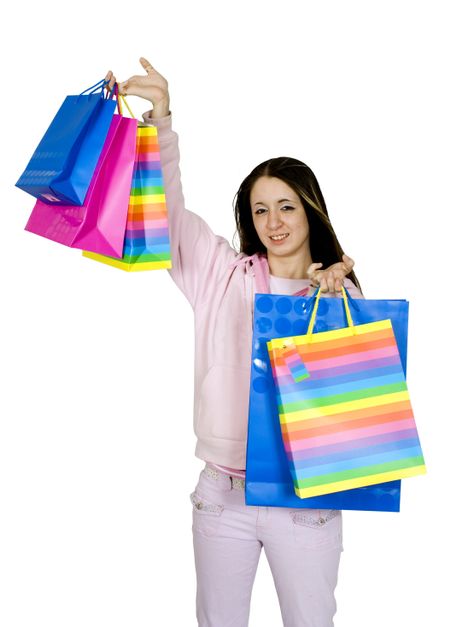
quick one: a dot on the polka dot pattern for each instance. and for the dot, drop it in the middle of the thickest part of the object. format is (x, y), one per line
(283, 306)
(264, 304)
(280, 316)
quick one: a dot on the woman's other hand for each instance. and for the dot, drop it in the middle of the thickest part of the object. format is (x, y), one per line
(152, 86)
(331, 279)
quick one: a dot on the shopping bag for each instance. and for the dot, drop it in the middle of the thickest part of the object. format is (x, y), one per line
(344, 408)
(268, 479)
(146, 244)
(63, 164)
(99, 223)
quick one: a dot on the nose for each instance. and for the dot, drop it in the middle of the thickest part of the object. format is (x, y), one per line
(273, 219)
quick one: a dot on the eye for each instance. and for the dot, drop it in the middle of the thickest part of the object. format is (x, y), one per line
(259, 210)
(288, 208)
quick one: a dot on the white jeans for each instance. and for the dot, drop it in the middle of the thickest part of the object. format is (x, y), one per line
(303, 548)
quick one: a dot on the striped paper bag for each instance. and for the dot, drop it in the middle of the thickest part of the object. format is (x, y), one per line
(344, 407)
(146, 243)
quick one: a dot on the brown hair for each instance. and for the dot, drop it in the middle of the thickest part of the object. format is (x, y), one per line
(323, 243)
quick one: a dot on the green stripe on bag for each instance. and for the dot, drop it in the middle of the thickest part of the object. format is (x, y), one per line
(360, 472)
(342, 398)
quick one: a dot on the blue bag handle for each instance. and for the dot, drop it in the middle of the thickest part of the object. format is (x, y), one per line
(95, 88)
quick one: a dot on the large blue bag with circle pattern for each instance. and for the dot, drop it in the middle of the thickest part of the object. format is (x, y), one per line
(268, 480)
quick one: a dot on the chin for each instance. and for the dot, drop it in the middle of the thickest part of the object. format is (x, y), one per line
(280, 251)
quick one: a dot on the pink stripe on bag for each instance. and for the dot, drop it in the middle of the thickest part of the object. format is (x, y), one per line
(320, 364)
(140, 226)
(148, 156)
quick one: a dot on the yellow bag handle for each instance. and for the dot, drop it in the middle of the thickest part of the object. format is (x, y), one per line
(121, 99)
(316, 305)
(127, 106)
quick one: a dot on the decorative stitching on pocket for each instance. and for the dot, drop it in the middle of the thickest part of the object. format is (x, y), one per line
(202, 505)
(314, 518)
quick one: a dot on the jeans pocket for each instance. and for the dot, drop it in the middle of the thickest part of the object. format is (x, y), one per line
(317, 528)
(206, 514)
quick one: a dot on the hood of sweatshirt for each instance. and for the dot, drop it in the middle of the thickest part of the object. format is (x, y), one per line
(257, 266)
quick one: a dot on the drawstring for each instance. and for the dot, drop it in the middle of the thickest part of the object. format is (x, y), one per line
(261, 270)
(257, 266)
(303, 292)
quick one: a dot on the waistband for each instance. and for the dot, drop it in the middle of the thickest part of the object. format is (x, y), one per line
(236, 482)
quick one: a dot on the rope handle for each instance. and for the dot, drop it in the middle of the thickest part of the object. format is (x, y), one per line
(100, 86)
(316, 306)
(122, 100)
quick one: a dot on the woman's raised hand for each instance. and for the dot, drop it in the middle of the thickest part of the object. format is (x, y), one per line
(332, 278)
(152, 86)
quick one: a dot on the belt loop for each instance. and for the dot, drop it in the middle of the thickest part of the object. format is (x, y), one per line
(235, 483)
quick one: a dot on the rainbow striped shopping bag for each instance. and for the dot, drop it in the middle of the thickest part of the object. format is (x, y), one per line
(146, 243)
(344, 407)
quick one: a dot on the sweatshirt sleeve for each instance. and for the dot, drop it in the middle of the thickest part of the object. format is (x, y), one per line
(198, 255)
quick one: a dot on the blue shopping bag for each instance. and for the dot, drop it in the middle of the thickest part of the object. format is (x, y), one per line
(62, 166)
(268, 479)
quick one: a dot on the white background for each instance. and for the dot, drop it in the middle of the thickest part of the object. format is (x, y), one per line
(96, 440)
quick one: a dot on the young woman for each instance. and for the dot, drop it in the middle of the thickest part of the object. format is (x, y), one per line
(286, 238)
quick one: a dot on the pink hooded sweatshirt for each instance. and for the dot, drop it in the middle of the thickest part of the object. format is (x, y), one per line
(220, 285)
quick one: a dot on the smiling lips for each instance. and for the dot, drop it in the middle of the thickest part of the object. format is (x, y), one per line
(277, 239)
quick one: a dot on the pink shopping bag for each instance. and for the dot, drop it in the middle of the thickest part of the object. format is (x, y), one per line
(99, 224)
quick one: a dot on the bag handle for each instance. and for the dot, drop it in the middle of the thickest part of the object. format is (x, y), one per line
(316, 305)
(94, 88)
(121, 100)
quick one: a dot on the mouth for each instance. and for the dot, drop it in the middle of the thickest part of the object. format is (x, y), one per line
(277, 239)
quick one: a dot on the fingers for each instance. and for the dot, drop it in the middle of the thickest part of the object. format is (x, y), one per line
(111, 80)
(330, 279)
(323, 284)
(312, 269)
(146, 64)
(327, 282)
(330, 282)
(348, 263)
(129, 86)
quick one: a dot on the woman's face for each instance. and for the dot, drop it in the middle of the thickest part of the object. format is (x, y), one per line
(279, 217)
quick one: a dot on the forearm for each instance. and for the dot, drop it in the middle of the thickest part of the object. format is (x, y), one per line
(161, 109)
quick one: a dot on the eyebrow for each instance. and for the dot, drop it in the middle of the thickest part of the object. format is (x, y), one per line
(259, 202)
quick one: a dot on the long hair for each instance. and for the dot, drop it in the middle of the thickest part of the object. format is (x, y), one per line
(323, 242)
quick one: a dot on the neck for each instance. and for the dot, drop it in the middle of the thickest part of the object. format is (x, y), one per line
(294, 267)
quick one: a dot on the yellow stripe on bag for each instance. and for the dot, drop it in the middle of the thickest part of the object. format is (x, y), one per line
(147, 200)
(146, 131)
(341, 408)
(136, 267)
(109, 261)
(150, 265)
(361, 482)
